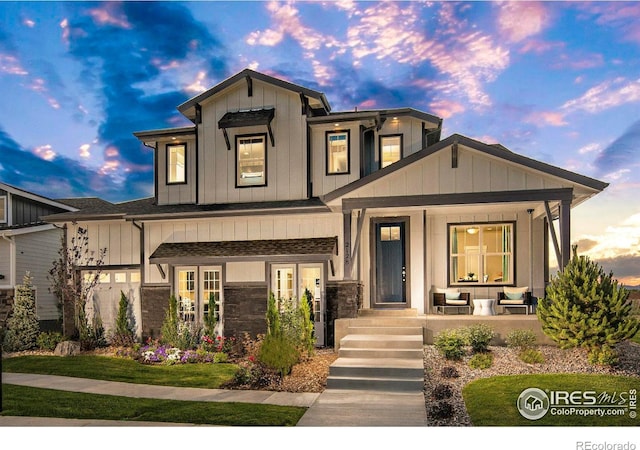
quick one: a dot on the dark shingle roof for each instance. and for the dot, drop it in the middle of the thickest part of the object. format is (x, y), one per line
(85, 202)
(172, 252)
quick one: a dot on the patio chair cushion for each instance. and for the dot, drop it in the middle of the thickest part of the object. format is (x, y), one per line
(512, 302)
(516, 293)
(456, 302)
(449, 293)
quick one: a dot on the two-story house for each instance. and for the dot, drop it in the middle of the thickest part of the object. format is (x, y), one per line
(271, 190)
(27, 244)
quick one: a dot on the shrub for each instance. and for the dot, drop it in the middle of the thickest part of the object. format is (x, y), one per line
(442, 391)
(210, 318)
(521, 339)
(531, 356)
(169, 329)
(188, 336)
(123, 335)
(449, 372)
(478, 336)
(450, 344)
(23, 327)
(605, 356)
(278, 353)
(481, 361)
(48, 340)
(585, 307)
(441, 410)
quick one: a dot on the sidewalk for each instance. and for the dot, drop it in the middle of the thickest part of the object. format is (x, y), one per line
(332, 408)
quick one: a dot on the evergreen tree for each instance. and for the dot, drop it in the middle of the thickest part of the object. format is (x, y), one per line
(169, 330)
(23, 327)
(585, 307)
(124, 333)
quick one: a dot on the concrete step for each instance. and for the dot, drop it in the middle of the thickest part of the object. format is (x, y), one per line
(388, 322)
(382, 341)
(416, 331)
(376, 384)
(377, 368)
(407, 312)
(377, 352)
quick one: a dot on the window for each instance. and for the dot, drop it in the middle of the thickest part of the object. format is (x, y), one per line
(251, 160)
(176, 164)
(211, 287)
(3, 209)
(481, 253)
(283, 282)
(187, 295)
(337, 152)
(197, 289)
(390, 149)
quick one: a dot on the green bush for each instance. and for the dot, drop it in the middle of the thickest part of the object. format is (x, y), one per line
(604, 356)
(521, 339)
(123, 336)
(220, 357)
(585, 307)
(450, 343)
(481, 361)
(23, 327)
(48, 340)
(478, 336)
(278, 353)
(169, 329)
(531, 356)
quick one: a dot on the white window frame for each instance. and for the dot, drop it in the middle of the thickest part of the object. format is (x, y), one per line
(245, 158)
(176, 169)
(3, 209)
(332, 166)
(387, 142)
(478, 254)
(198, 312)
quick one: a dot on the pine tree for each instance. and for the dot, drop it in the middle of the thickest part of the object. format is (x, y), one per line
(23, 327)
(169, 330)
(124, 334)
(585, 307)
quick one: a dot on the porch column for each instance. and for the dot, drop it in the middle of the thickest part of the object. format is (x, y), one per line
(565, 232)
(346, 232)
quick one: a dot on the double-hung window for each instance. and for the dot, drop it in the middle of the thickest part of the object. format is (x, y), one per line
(176, 163)
(3, 209)
(337, 152)
(481, 253)
(251, 160)
(390, 149)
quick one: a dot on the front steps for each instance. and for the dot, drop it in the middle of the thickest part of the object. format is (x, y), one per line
(383, 351)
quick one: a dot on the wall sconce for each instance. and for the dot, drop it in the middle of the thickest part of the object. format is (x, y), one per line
(473, 230)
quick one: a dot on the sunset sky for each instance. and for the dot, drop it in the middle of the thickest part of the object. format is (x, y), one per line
(554, 81)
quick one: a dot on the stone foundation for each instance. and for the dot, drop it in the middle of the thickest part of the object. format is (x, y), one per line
(344, 300)
(155, 300)
(245, 309)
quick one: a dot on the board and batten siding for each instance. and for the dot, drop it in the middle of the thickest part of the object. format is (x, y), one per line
(120, 238)
(6, 258)
(35, 253)
(179, 193)
(237, 229)
(286, 162)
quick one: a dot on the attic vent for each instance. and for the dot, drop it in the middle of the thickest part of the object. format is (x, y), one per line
(247, 118)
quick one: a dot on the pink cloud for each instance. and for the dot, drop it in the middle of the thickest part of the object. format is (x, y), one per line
(606, 95)
(446, 108)
(520, 20)
(45, 152)
(109, 16)
(621, 16)
(10, 65)
(551, 118)
(539, 47)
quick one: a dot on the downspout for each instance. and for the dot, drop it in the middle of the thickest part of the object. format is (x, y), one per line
(198, 121)
(142, 276)
(530, 211)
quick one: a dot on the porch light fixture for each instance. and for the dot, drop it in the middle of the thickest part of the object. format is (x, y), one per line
(473, 230)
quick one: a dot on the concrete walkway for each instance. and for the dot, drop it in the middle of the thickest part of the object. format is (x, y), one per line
(333, 407)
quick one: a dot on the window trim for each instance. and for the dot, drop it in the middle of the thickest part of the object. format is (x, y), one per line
(481, 283)
(329, 133)
(263, 136)
(168, 165)
(381, 138)
(4, 209)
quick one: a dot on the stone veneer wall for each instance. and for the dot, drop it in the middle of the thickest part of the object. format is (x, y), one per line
(344, 300)
(155, 300)
(245, 309)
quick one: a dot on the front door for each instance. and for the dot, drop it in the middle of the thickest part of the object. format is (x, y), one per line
(390, 264)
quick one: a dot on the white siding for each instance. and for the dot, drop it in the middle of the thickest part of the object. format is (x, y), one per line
(5, 262)
(121, 239)
(245, 272)
(173, 194)
(35, 253)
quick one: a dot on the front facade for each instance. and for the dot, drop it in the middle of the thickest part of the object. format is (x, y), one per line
(27, 244)
(270, 190)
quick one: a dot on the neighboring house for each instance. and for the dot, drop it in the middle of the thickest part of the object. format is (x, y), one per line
(270, 190)
(27, 244)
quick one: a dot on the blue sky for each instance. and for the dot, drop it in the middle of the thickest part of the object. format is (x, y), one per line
(555, 81)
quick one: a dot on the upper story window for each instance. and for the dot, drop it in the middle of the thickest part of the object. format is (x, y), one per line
(251, 160)
(337, 152)
(390, 149)
(481, 253)
(3, 209)
(176, 163)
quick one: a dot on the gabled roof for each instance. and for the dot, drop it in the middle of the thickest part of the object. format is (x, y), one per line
(188, 107)
(85, 202)
(498, 151)
(35, 197)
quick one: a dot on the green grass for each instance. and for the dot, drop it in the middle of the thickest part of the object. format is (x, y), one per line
(492, 401)
(209, 376)
(36, 402)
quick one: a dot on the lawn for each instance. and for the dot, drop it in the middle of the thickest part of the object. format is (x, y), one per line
(492, 401)
(209, 376)
(36, 402)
